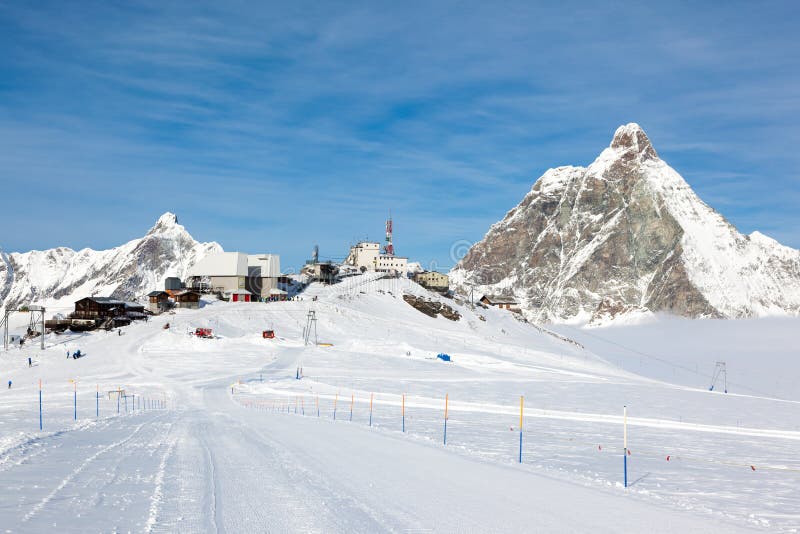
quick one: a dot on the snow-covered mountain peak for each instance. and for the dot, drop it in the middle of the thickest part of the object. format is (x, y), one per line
(628, 233)
(167, 223)
(129, 271)
(632, 138)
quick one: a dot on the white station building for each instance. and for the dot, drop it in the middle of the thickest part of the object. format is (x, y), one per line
(368, 255)
(235, 271)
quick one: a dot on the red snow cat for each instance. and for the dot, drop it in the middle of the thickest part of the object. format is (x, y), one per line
(268, 334)
(203, 332)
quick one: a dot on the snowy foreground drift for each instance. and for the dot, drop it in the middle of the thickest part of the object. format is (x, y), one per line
(244, 446)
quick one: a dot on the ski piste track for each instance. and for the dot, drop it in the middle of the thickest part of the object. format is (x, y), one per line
(220, 467)
(229, 453)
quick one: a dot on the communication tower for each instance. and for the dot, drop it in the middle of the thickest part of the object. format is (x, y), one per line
(389, 248)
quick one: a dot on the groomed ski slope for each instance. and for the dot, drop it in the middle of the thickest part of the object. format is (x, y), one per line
(240, 446)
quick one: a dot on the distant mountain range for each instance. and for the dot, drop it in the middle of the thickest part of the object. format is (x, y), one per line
(623, 236)
(129, 271)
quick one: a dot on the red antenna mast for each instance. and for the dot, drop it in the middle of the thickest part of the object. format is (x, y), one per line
(389, 246)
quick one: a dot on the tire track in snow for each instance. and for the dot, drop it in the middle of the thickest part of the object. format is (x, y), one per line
(158, 491)
(213, 483)
(22, 447)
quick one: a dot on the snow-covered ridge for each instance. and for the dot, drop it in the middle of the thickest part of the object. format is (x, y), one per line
(628, 234)
(129, 271)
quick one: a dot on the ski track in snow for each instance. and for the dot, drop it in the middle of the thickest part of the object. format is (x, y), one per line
(158, 491)
(78, 470)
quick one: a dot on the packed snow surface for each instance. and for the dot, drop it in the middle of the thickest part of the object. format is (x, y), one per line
(225, 437)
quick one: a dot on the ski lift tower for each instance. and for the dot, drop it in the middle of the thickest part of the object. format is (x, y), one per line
(37, 318)
(720, 374)
(311, 322)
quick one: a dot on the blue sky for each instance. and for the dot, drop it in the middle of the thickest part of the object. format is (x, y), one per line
(272, 127)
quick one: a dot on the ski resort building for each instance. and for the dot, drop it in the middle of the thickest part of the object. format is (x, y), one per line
(367, 256)
(387, 263)
(504, 303)
(187, 299)
(232, 271)
(433, 281)
(239, 295)
(364, 254)
(158, 301)
(106, 307)
(107, 310)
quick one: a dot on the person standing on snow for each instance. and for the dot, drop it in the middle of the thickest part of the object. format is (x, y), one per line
(30, 363)
(9, 384)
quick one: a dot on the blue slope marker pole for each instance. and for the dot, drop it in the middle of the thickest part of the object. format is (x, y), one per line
(75, 400)
(40, 404)
(625, 444)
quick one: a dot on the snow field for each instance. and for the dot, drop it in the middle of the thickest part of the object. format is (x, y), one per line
(223, 457)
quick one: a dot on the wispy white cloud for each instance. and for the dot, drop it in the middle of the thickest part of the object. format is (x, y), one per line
(444, 112)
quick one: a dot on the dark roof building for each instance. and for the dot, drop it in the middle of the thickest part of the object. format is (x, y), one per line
(102, 307)
(187, 299)
(502, 302)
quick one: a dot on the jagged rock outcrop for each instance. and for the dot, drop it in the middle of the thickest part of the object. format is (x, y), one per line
(432, 308)
(126, 272)
(628, 233)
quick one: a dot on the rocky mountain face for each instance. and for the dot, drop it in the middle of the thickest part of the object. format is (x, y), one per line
(628, 235)
(127, 272)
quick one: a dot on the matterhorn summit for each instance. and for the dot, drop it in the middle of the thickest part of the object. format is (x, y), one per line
(129, 271)
(623, 236)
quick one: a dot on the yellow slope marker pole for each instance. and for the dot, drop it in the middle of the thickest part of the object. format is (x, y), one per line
(446, 402)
